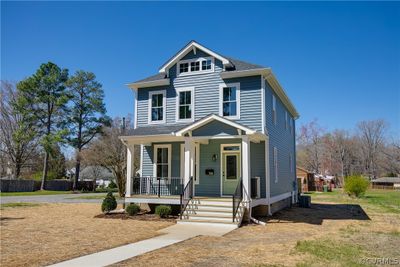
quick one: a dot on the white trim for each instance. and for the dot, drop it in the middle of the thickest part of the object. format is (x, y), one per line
(286, 120)
(129, 169)
(135, 109)
(141, 160)
(197, 156)
(208, 119)
(267, 175)
(190, 72)
(246, 172)
(280, 197)
(263, 125)
(258, 178)
(155, 147)
(151, 93)
(221, 88)
(178, 91)
(186, 50)
(276, 164)
(139, 85)
(221, 154)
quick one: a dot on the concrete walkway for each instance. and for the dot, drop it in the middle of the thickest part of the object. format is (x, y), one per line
(60, 198)
(171, 235)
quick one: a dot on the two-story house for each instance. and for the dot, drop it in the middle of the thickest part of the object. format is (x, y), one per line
(217, 138)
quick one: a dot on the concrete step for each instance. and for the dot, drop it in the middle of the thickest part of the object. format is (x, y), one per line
(194, 217)
(211, 214)
(211, 207)
(220, 199)
(210, 221)
(214, 203)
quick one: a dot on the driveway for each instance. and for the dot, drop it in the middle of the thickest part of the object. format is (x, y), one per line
(61, 198)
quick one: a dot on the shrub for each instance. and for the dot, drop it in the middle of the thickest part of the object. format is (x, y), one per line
(132, 209)
(163, 211)
(109, 203)
(112, 185)
(356, 185)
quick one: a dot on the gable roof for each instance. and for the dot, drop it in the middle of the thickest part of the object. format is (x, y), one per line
(190, 46)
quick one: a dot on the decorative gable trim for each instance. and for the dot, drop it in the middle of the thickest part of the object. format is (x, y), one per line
(138, 85)
(210, 118)
(191, 46)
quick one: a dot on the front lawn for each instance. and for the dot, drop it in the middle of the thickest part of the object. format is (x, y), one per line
(18, 205)
(46, 234)
(336, 231)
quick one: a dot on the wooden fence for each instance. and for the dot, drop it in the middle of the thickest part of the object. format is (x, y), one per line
(54, 185)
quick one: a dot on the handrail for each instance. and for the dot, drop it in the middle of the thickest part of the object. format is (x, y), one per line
(237, 198)
(186, 196)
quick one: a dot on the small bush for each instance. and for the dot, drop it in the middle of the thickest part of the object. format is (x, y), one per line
(163, 211)
(112, 185)
(109, 203)
(132, 209)
(356, 185)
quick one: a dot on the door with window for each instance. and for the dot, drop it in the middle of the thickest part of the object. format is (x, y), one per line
(230, 169)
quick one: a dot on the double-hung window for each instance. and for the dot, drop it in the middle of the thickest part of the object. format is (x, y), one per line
(230, 100)
(206, 64)
(185, 104)
(162, 161)
(157, 106)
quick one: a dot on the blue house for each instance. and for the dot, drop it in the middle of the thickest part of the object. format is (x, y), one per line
(216, 136)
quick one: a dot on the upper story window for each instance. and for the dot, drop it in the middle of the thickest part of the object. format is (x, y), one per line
(157, 106)
(274, 109)
(197, 65)
(230, 100)
(185, 104)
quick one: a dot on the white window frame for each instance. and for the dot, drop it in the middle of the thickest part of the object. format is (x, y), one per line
(274, 109)
(182, 167)
(178, 91)
(276, 164)
(189, 61)
(155, 147)
(221, 95)
(151, 93)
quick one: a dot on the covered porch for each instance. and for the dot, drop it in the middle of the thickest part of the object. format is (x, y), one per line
(214, 156)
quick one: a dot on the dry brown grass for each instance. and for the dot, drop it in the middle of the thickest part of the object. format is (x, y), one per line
(274, 244)
(46, 234)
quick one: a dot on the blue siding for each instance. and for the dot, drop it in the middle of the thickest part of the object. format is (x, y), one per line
(284, 141)
(215, 128)
(257, 164)
(211, 185)
(206, 95)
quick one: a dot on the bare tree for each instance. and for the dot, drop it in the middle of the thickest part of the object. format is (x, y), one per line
(109, 152)
(17, 137)
(310, 142)
(371, 134)
(391, 162)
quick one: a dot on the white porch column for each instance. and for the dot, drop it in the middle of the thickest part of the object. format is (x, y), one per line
(188, 156)
(246, 176)
(267, 176)
(129, 170)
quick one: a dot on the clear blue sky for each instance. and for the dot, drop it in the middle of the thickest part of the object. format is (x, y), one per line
(338, 62)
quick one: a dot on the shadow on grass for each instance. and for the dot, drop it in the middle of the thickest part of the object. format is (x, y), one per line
(318, 213)
(11, 218)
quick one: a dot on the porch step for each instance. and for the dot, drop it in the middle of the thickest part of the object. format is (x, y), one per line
(215, 211)
(207, 221)
(211, 207)
(210, 214)
(213, 203)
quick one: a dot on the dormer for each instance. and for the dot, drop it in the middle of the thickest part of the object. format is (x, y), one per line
(194, 59)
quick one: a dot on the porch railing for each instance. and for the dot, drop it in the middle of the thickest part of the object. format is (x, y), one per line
(159, 186)
(186, 196)
(237, 198)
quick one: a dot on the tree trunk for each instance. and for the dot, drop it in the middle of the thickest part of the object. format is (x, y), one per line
(45, 169)
(77, 170)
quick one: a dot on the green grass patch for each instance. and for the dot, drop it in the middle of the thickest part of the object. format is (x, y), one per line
(35, 193)
(18, 205)
(333, 252)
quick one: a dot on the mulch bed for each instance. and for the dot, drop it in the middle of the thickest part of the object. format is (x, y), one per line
(141, 216)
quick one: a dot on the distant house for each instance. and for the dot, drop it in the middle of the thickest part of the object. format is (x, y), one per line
(305, 180)
(386, 183)
(102, 175)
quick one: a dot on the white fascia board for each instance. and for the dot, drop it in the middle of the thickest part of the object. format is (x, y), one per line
(209, 119)
(271, 79)
(136, 86)
(146, 139)
(187, 49)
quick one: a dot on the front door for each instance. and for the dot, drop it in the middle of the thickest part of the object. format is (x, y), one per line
(230, 172)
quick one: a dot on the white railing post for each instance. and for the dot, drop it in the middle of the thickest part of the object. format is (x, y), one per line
(187, 153)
